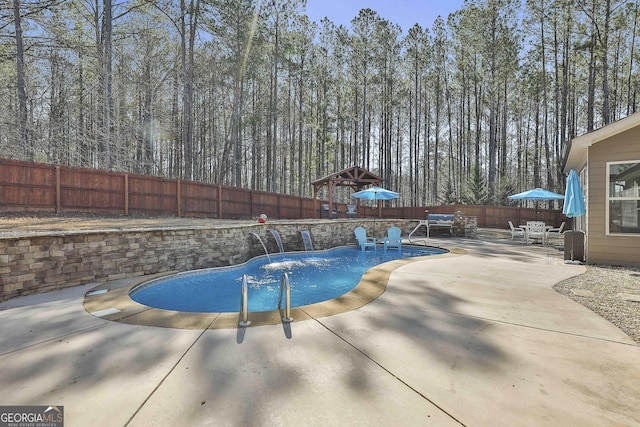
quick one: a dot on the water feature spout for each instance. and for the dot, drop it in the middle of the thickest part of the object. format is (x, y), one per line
(262, 243)
(276, 236)
(306, 238)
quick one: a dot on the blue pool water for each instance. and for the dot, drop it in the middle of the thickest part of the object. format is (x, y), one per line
(314, 278)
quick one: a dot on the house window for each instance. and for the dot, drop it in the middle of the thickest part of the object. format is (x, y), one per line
(623, 183)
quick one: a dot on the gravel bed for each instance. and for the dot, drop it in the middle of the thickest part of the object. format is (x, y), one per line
(611, 292)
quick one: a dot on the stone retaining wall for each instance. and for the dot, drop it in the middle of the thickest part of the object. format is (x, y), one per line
(51, 261)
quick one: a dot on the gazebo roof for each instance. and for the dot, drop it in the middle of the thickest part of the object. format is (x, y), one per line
(354, 177)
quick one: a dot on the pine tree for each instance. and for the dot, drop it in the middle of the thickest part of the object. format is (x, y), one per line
(476, 191)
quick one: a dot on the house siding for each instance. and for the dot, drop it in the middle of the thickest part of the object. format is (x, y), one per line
(603, 248)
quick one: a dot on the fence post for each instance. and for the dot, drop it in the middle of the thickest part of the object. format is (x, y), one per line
(484, 215)
(220, 201)
(58, 198)
(178, 198)
(251, 207)
(126, 194)
(279, 204)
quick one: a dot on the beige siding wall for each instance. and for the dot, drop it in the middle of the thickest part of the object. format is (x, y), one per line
(600, 247)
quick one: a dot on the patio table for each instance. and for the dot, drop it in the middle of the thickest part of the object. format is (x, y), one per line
(528, 227)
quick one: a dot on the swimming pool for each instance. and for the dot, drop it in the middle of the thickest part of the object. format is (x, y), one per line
(314, 278)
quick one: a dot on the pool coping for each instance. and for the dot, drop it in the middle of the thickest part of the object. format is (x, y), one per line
(116, 305)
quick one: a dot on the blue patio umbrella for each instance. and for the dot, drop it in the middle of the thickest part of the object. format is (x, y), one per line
(537, 194)
(573, 203)
(376, 193)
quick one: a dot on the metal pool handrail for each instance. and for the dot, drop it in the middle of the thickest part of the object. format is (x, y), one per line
(244, 305)
(285, 287)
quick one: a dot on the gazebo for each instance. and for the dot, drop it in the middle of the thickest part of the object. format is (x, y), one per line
(354, 177)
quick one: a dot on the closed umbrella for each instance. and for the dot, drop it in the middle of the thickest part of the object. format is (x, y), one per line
(376, 193)
(573, 203)
(573, 197)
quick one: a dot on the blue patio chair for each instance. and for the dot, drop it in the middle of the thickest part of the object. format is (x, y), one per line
(364, 241)
(393, 239)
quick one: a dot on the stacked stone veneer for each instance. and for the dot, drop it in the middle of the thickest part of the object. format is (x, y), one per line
(45, 262)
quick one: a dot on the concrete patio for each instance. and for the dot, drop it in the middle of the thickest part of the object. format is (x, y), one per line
(479, 339)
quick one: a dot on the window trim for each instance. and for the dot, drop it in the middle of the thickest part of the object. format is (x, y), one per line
(609, 199)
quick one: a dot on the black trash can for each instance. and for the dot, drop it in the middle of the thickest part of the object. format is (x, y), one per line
(574, 245)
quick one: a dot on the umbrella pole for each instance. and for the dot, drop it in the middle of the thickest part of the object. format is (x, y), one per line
(573, 238)
(375, 230)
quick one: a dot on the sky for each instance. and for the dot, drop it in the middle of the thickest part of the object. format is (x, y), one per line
(402, 12)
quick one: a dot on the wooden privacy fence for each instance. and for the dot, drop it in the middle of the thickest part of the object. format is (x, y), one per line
(487, 216)
(26, 186)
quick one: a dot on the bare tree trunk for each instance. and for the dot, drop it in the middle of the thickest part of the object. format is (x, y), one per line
(274, 110)
(187, 47)
(630, 105)
(365, 145)
(566, 63)
(545, 99)
(107, 64)
(147, 132)
(478, 113)
(300, 135)
(536, 139)
(23, 139)
(451, 156)
(606, 108)
(591, 89)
